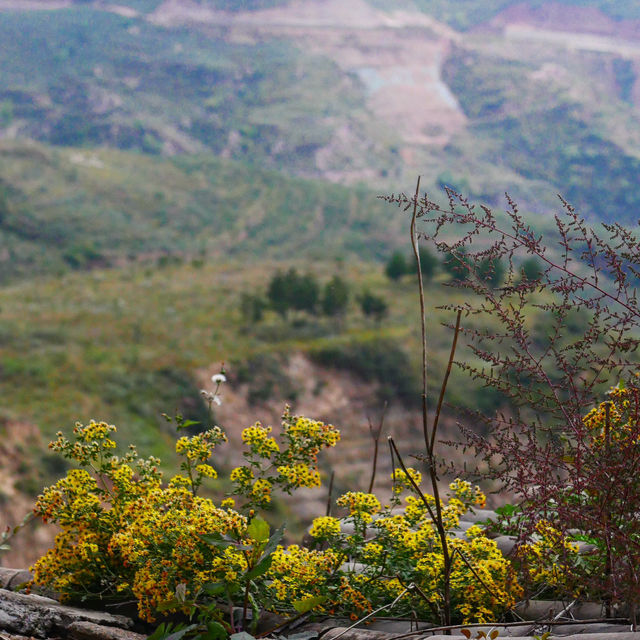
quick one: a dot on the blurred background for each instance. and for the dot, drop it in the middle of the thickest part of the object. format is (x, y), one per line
(189, 183)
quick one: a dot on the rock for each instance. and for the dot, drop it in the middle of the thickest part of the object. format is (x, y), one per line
(13, 578)
(91, 631)
(548, 609)
(43, 617)
(480, 515)
(355, 634)
(505, 544)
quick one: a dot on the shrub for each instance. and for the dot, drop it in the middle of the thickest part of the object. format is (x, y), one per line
(335, 297)
(124, 533)
(397, 266)
(545, 451)
(398, 546)
(373, 305)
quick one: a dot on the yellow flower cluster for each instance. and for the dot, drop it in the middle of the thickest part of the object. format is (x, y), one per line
(325, 527)
(299, 475)
(295, 460)
(296, 573)
(261, 491)
(467, 494)
(259, 440)
(360, 505)
(539, 558)
(161, 543)
(401, 479)
(404, 547)
(126, 534)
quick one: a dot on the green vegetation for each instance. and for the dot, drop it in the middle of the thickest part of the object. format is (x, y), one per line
(84, 77)
(70, 209)
(551, 140)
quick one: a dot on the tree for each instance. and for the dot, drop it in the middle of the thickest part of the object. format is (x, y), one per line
(491, 271)
(278, 293)
(290, 290)
(335, 297)
(373, 305)
(304, 291)
(252, 307)
(531, 270)
(396, 266)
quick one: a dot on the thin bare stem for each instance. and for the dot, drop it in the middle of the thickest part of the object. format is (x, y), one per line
(445, 381)
(375, 434)
(330, 493)
(423, 320)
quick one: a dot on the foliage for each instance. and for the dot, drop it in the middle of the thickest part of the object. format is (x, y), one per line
(252, 307)
(380, 360)
(59, 212)
(570, 472)
(396, 266)
(290, 290)
(550, 140)
(373, 305)
(335, 297)
(124, 533)
(397, 546)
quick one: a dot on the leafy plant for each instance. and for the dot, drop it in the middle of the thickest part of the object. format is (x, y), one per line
(547, 444)
(124, 533)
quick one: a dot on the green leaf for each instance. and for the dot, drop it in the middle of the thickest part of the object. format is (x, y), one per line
(218, 540)
(174, 603)
(261, 567)
(307, 604)
(183, 632)
(258, 529)
(213, 588)
(274, 541)
(241, 635)
(187, 423)
(506, 510)
(216, 631)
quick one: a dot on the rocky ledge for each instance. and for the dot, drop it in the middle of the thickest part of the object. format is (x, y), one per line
(35, 617)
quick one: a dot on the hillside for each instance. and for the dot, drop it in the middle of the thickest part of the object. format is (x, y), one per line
(63, 209)
(159, 160)
(534, 98)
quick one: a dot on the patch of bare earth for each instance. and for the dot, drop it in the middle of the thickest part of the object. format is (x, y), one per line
(34, 539)
(398, 56)
(571, 27)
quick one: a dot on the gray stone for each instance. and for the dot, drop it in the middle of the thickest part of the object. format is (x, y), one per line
(13, 578)
(355, 634)
(505, 544)
(40, 617)
(548, 609)
(91, 631)
(480, 515)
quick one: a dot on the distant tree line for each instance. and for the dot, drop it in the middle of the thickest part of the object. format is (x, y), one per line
(290, 290)
(490, 270)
